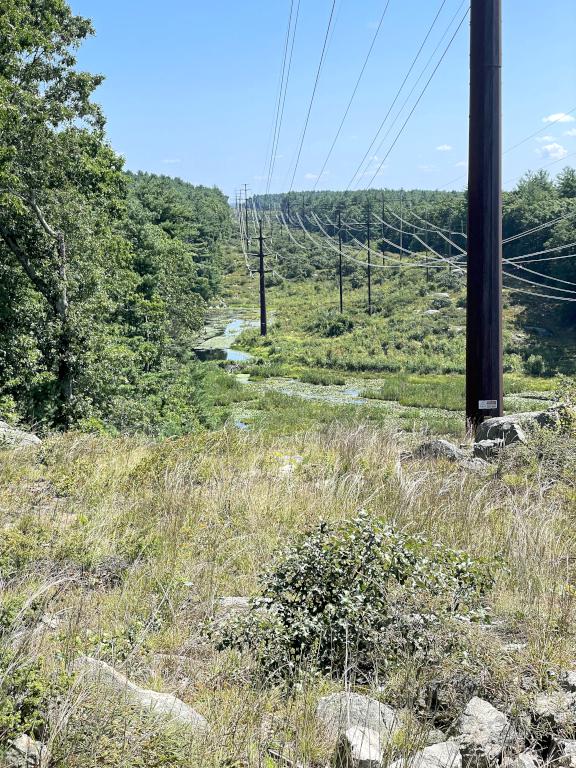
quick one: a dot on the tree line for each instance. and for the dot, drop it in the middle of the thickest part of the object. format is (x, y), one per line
(104, 274)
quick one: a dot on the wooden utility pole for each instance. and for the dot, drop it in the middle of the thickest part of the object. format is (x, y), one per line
(369, 259)
(261, 272)
(340, 261)
(484, 385)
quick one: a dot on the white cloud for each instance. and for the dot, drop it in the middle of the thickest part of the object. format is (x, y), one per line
(427, 168)
(553, 151)
(461, 164)
(444, 148)
(171, 160)
(559, 117)
(310, 176)
(571, 132)
(542, 139)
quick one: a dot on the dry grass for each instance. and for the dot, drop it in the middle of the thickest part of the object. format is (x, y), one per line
(130, 543)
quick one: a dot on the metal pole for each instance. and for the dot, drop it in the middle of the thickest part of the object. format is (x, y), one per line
(340, 261)
(484, 385)
(263, 328)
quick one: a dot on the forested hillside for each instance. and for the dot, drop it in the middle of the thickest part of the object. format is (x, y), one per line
(104, 275)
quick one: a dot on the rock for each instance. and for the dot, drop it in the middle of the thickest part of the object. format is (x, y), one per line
(24, 752)
(164, 704)
(487, 449)
(435, 736)
(233, 605)
(446, 754)
(498, 426)
(566, 749)
(526, 759)
(10, 437)
(569, 681)
(557, 709)
(340, 711)
(431, 311)
(440, 449)
(358, 748)
(485, 734)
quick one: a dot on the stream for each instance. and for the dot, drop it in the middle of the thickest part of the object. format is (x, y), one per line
(224, 326)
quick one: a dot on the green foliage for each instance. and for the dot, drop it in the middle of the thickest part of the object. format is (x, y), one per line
(331, 323)
(325, 378)
(360, 592)
(24, 695)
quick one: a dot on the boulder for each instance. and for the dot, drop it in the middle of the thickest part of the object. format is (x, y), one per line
(339, 712)
(485, 734)
(500, 426)
(556, 709)
(439, 449)
(358, 748)
(487, 449)
(233, 605)
(163, 704)
(569, 681)
(525, 759)
(443, 755)
(10, 437)
(24, 752)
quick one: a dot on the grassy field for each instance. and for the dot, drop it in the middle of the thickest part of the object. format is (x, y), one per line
(121, 548)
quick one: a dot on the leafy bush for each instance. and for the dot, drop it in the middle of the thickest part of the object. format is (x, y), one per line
(24, 696)
(534, 365)
(360, 593)
(331, 323)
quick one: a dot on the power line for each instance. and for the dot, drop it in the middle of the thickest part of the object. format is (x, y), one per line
(376, 33)
(282, 96)
(320, 63)
(399, 91)
(404, 124)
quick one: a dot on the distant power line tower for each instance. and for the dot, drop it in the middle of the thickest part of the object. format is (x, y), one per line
(484, 381)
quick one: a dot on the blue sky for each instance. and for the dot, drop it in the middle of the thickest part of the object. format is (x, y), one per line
(191, 86)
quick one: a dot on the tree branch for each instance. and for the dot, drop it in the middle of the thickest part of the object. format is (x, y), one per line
(40, 284)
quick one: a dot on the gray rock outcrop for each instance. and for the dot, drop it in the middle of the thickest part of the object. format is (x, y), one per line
(358, 748)
(505, 427)
(487, 449)
(556, 709)
(339, 712)
(24, 752)
(486, 734)
(11, 437)
(446, 754)
(163, 704)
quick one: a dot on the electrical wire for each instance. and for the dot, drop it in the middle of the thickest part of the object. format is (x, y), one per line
(342, 121)
(399, 91)
(320, 63)
(280, 115)
(405, 123)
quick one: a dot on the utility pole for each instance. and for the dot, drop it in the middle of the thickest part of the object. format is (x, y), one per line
(401, 227)
(246, 215)
(263, 328)
(369, 259)
(382, 233)
(340, 260)
(484, 385)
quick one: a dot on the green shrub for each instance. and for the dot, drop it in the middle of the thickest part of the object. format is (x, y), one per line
(24, 695)
(325, 378)
(359, 593)
(534, 365)
(330, 323)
